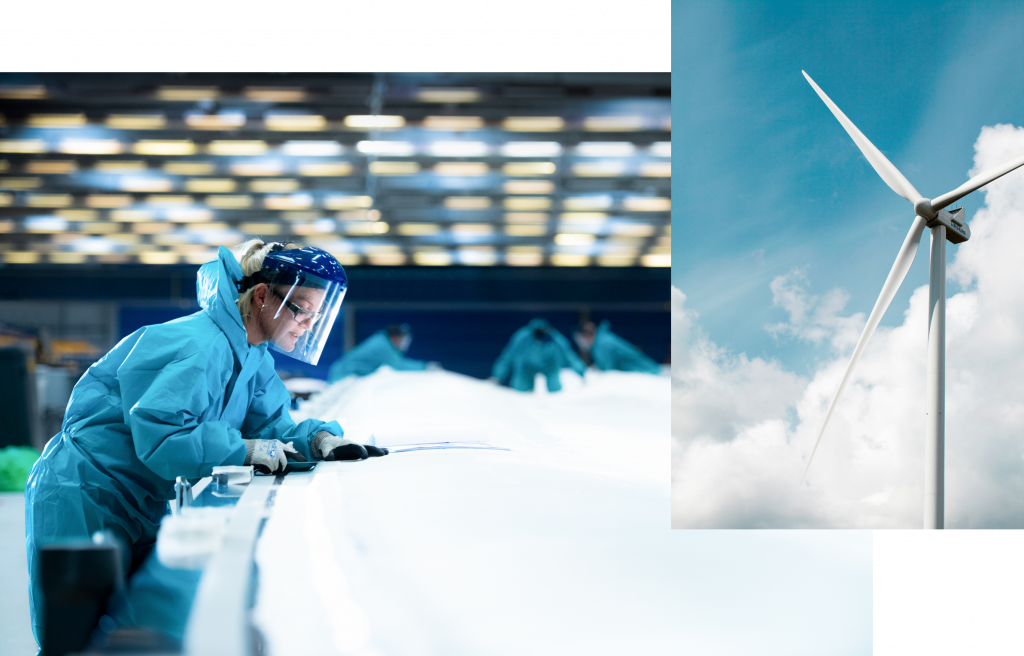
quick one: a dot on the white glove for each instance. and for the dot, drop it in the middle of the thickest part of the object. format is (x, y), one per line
(326, 446)
(269, 456)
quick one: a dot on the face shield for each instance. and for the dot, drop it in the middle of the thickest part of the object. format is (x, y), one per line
(305, 288)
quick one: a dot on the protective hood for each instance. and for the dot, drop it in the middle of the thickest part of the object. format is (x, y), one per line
(217, 291)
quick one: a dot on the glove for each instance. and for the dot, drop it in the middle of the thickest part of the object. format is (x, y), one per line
(331, 447)
(270, 456)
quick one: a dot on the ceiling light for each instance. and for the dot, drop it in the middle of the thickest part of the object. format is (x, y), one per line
(347, 202)
(136, 121)
(366, 228)
(151, 228)
(599, 169)
(370, 122)
(67, 258)
(605, 149)
(294, 122)
(21, 257)
(6, 200)
(22, 91)
(325, 170)
(78, 215)
(274, 186)
(529, 187)
(647, 204)
(169, 200)
(523, 169)
(531, 149)
(45, 224)
(632, 229)
(189, 168)
(56, 120)
(312, 148)
(119, 165)
(533, 123)
(478, 256)
(528, 203)
(193, 215)
(98, 227)
(51, 167)
(292, 202)
(661, 149)
(20, 183)
(185, 94)
(432, 258)
(418, 229)
(656, 170)
(394, 168)
(616, 260)
(154, 147)
(90, 146)
(50, 200)
(526, 217)
(453, 123)
(574, 239)
(159, 257)
(570, 259)
(386, 148)
(656, 260)
(226, 120)
(240, 148)
(613, 123)
(467, 202)
(274, 94)
(447, 95)
(108, 200)
(457, 149)
(22, 146)
(461, 169)
(472, 229)
(229, 202)
(524, 259)
(268, 167)
(386, 259)
(210, 185)
(141, 184)
(526, 230)
(587, 202)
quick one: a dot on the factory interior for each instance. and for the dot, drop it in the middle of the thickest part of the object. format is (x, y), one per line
(469, 212)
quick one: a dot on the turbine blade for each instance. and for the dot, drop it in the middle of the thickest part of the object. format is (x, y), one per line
(977, 182)
(889, 173)
(892, 283)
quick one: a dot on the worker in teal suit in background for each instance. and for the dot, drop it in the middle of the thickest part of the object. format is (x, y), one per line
(384, 347)
(609, 352)
(536, 348)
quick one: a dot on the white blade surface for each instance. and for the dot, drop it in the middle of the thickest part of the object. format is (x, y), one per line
(977, 182)
(889, 173)
(889, 289)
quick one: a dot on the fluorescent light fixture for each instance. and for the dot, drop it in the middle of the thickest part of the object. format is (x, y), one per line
(447, 95)
(51, 167)
(457, 149)
(22, 91)
(605, 149)
(531, 149)
(632, 229)
(478, 256)
(229, 202)
(526, 217)
(78, 215)
(656, 260)
(199, 257)
(656, 170)
(67, 258)
(386, 148)
(616, 260)
(292, 202)
(6, 200)
(131, 215)
(570, 259)
(108, 200)
(574, 239)
(90, 146)
(151, 228)
(312, 148)
(472, 229)
(186, 94)
(599, 170)
(394, 168)
(347, 202)
(274, 94)
(525, 169)
(526, 203)
(274, 186)
(529, 187)
(370, 122)
(21, 257)
(334, 169)
(583, 217)
(145, 184)
(432, 258)
(647, 204)
(119, 165)
(227, 120)
(22, 146)
(418, 229)
(533, 124)
(158, 147)
(136, 121)
(294, 122)
(613, 123)
(94, 245)
(461, 169)
(210, 185)
(159, 257)
(320, 226)
(20, 183)
(45, 224)
(453, 123)
(467, 202)
(4, 165)
(56, 120)
(169, 200)
(525, 230)
(516, 257)
(189, 168)
(386, 259)
(266, 167)
(366, 228)
(50, 200)
(238, 148)
(661, 149)
(191, 215)
(601, 202)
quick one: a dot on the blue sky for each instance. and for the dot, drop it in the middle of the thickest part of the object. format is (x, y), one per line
(765, 180)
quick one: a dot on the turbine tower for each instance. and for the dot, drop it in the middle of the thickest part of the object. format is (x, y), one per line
(944, 226)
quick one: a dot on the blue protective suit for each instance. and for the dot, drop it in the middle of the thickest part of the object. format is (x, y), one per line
(524, 357)
(375, 351)
(174, 399)
(611, 352)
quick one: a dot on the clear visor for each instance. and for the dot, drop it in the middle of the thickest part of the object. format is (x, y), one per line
(298, 315)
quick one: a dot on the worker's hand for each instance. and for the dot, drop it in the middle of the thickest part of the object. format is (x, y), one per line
(270, 456)
(331, 447)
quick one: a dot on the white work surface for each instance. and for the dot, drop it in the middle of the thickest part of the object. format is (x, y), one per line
(561, 545)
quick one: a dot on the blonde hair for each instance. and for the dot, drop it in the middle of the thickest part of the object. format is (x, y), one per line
(250, 256)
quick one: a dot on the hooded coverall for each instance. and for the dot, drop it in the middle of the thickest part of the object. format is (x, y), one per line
(610, 352)
(525, 356)
(375, 351)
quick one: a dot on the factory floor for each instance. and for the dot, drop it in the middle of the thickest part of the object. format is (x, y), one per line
(15, 631)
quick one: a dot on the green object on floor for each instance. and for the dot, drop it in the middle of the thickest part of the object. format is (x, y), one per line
(15, 464)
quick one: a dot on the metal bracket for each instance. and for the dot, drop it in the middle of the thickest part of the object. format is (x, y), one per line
(182, 494)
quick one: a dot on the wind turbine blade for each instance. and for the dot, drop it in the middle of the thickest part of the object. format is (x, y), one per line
(977, 182)
(889, 173)
(896, 275)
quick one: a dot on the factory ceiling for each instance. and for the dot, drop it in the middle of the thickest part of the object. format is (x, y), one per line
(396, 169)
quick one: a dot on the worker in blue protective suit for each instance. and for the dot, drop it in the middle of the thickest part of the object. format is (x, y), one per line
(537, 348)
(609, 352)
(179, 398)
(384, 347)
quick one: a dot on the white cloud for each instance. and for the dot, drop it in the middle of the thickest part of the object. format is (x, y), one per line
(739, 451)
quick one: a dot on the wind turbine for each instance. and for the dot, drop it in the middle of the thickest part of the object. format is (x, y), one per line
(944, 226)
